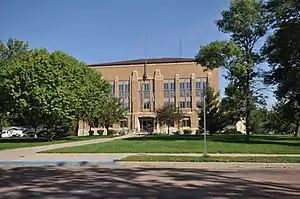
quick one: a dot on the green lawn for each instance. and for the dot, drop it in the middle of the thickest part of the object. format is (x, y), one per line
(13, 143)
(153, 158)
(267, 144)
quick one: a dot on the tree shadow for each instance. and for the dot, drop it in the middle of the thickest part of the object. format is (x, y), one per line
(143, 182)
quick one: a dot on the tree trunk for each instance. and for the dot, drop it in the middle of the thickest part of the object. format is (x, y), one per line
(107, 127)
(248, 109)
(77, 127)
(297, 130)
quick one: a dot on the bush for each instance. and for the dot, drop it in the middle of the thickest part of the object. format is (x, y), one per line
(112, 132)
(100, 132)
(187, 132)
(123, 132)
(91, 133)
(231, 131)
(177, 133)
(199, 132)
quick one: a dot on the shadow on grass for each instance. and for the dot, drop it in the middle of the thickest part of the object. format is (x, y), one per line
(142, 182)
(254, 139)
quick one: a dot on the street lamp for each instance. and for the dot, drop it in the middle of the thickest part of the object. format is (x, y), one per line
(204, 112)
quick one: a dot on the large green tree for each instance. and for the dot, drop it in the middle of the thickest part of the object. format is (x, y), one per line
(283, 55)
(245, 23)
(39, 88)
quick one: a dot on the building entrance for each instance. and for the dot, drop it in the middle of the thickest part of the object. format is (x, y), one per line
(147, 125)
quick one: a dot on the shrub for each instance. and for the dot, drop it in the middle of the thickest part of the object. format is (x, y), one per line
(100, 132)
(91, 133)
(123, 132)
(177, 133)
(231, 131)
(112, 132)
(199, 132)
(187, 131)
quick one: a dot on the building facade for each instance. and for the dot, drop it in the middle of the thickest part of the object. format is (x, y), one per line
(145, 85)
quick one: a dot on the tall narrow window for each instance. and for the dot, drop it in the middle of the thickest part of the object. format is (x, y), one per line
(186, 122)
(124, 93)
(112, 88)
(185, 93)
(147, 95)
(200, 87)
(169, 92)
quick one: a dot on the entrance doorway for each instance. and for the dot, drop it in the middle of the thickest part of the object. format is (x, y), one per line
(146, 125)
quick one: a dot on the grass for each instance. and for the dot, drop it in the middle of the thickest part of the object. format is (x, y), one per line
(266, 144)
(166, 158)
(13, 143)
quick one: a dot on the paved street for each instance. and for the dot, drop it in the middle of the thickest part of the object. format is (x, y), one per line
(151, 181)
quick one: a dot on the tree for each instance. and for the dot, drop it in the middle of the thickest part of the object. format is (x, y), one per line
(12, 50)
(259, 120)
(45, 89)
(277, 121)
(112, 112)
(169, 115)
(283, 55)
(246, 23)
(213, 114)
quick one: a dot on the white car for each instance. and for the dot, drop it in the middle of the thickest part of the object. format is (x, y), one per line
(12, 132)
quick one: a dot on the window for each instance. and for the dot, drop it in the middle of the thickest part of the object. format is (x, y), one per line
(112, 87)
(169, 92)
(123, 124)
(200, 86)
(185, 93)
(146, 86)
(188, 104)
(146, 105)
(121, 87)
(166, 86)
(169, 103)
(153, 95)
(124, 93)
(186, 122)
(146, 90)
(172, 86)
(182, 104)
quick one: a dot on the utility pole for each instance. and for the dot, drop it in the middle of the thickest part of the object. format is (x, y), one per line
(204, 113)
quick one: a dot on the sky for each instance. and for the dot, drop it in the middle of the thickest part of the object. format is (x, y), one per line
(96, 31)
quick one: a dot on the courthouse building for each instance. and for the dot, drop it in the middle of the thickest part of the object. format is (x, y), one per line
(144, 85)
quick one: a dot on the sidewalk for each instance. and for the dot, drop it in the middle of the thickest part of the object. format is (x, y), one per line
(30, 153)
(105, 157)
(219, 154)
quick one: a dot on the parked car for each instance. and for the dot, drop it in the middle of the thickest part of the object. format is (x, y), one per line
(13, 132)
(33, 132)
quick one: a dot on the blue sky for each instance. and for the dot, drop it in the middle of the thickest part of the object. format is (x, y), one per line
(96, 31)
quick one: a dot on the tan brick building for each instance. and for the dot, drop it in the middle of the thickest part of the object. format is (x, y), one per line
(144, 85)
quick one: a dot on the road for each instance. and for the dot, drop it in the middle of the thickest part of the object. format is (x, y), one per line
(151, 181)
